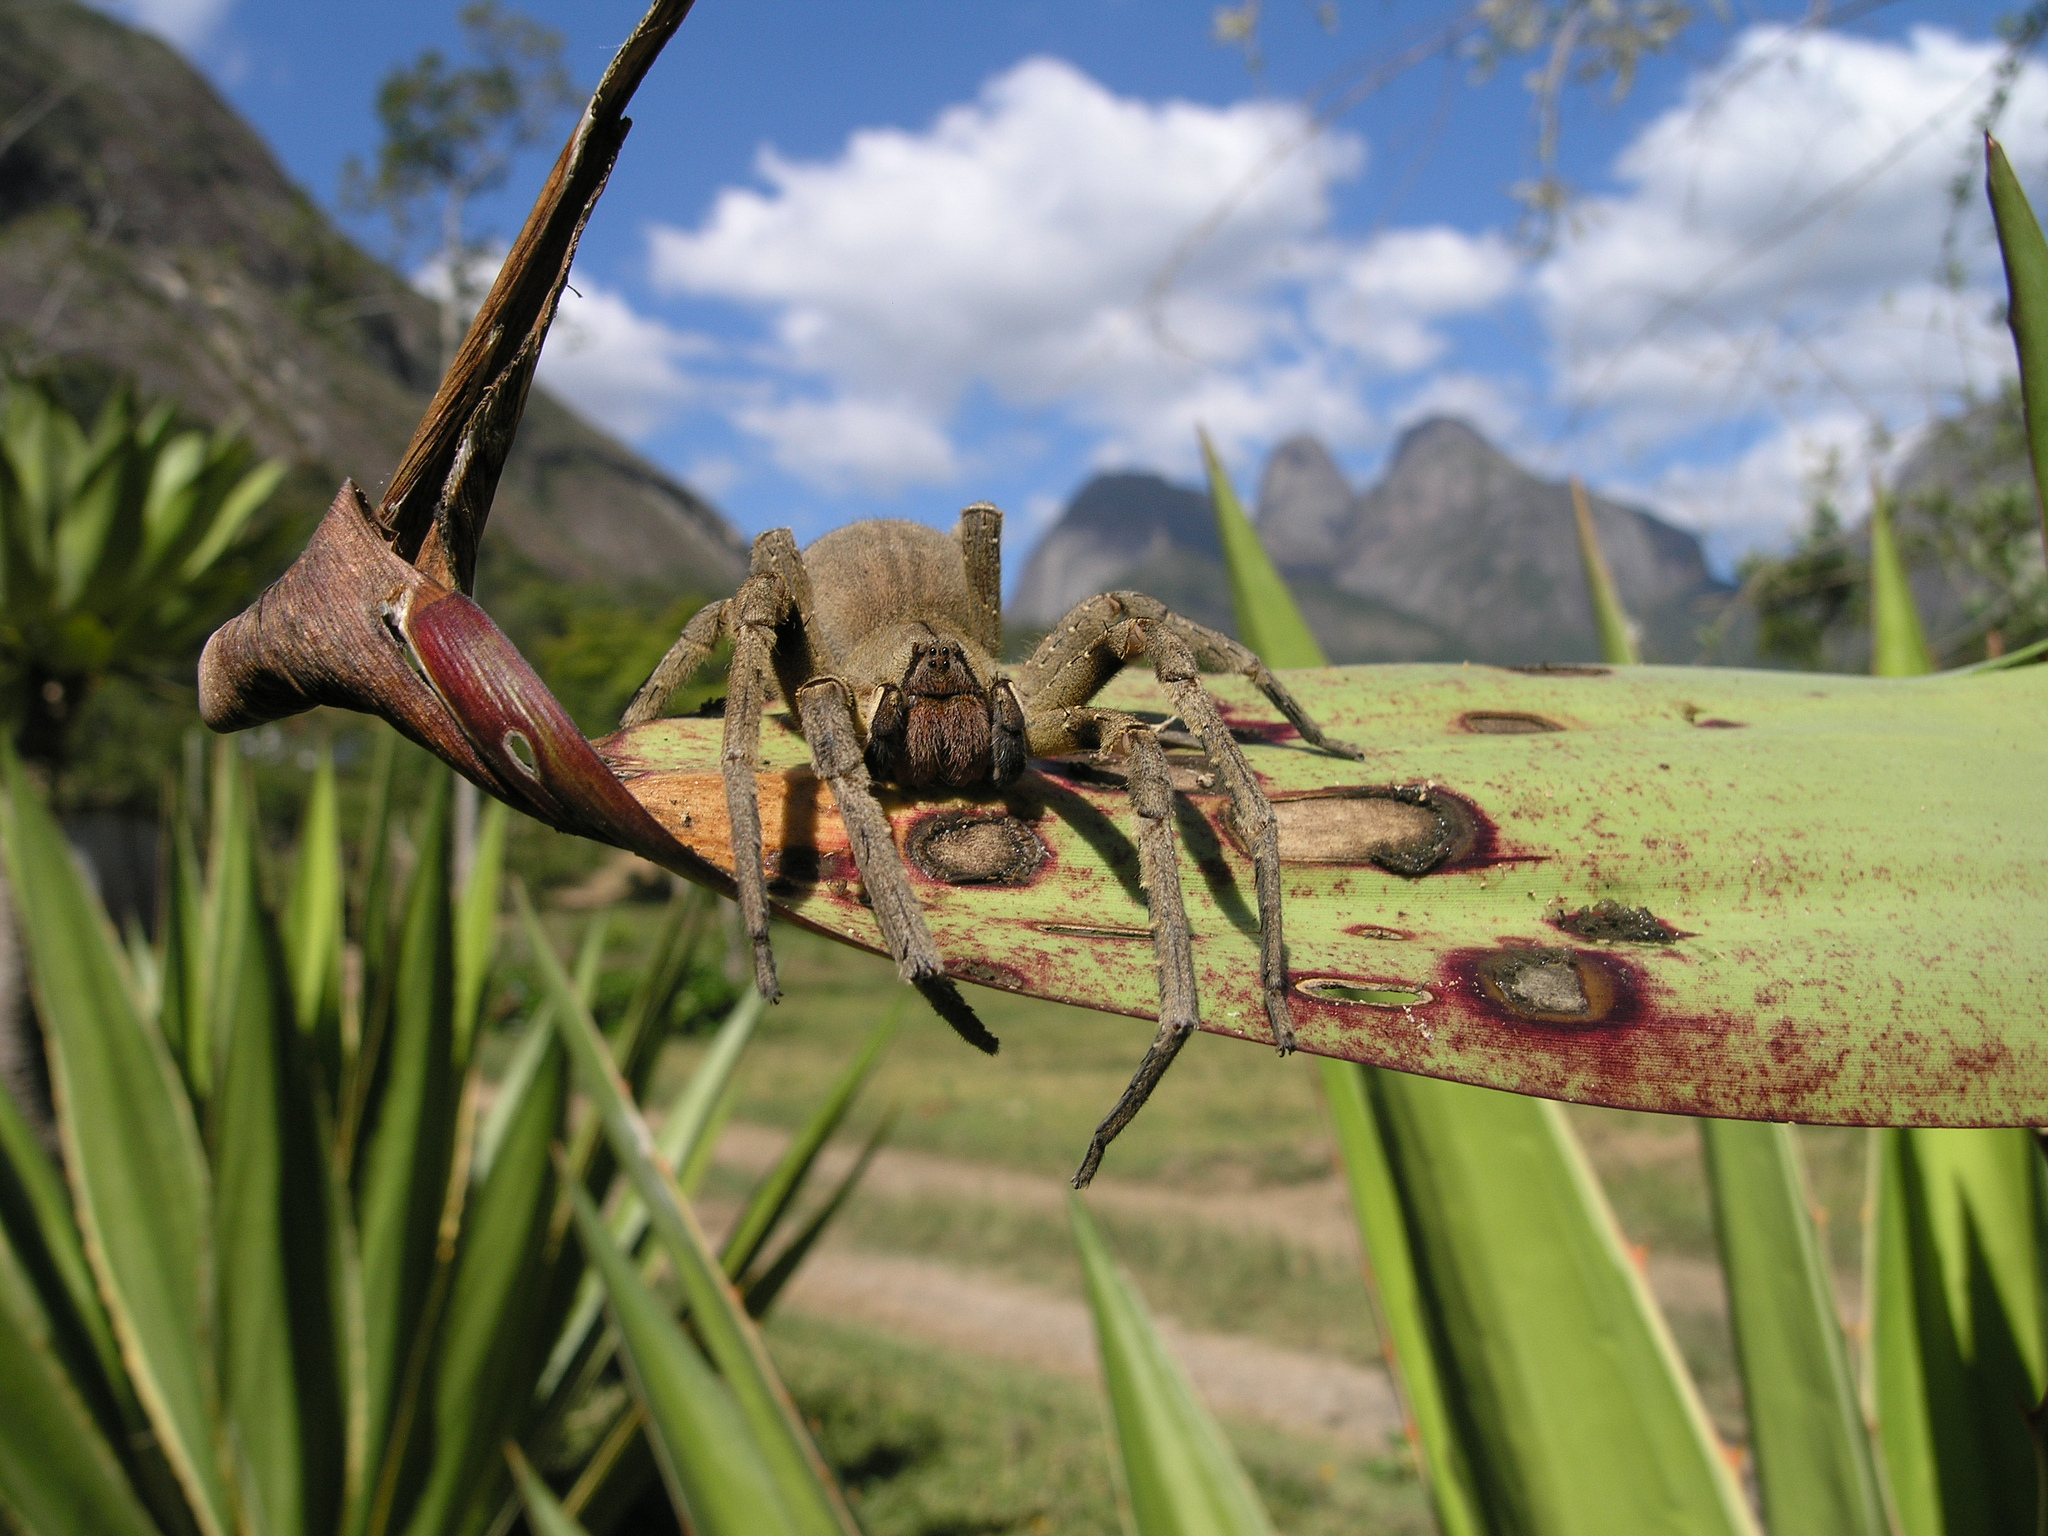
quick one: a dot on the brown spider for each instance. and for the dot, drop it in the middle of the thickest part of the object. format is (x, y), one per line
(886, 638)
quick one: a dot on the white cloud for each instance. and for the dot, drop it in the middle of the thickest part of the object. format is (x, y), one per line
(619, 367)
(1771, 263)
(1008, 249)
(186, 23)
(1381, 297)
(853, 442)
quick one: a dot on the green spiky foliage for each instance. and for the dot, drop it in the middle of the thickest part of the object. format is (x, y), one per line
(294, 1278)
(117, 547)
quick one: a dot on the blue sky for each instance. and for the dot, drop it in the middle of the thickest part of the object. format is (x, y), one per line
(890, 258)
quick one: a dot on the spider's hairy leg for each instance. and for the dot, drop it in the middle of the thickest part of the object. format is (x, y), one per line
(1173, 940)
(692, 649)
(1174, 665)
(754, 613)
(1082, 653)
(825, 708)
(1219, 653)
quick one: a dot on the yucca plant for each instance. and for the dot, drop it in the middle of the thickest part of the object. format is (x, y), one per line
(115, 546)
(303, 1271)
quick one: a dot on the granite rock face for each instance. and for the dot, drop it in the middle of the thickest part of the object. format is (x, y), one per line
(1458, 553)
(147, 232)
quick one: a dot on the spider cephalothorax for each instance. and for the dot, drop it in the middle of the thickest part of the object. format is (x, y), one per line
(885, 639)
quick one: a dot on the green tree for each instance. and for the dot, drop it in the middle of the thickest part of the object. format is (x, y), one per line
(451, 133)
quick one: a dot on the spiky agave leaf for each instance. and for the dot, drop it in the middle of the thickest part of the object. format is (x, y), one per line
(1522, 1337)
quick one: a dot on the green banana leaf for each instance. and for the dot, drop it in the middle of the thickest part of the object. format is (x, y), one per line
(1777, 850)
(1522, 1335)
(1180, 1477)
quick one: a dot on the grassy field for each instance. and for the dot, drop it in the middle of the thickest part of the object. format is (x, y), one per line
(937, 1440)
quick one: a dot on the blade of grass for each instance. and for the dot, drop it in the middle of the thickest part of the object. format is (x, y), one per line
(544, 1512)
(2025, 252)
(1400, 1303)
(276, 1349)
(372, 903)
(1956, 1343)
(685, 1132)
(131, 1149)
(1553, 1353)
(1898, 644)
(489, 1338)
(764, 1288)
(772, 1197)
(1815, 1469)
(729, 1335)
(313, 919)
(408, 1143)
(1180, 1476)
(179, 993)
(710, 1457)
(476, 924)
(35, 1217)
(1617, 632)
(58, 1474)
(1267, 619)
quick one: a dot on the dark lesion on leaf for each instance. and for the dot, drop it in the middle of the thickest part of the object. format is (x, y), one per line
(1562, 669)
(1610, 922)
(1548, 986)
(976, 848)
(1405, 829)
(1502, 722)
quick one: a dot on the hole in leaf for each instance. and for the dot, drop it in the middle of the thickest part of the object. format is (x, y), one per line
(521, 750)
(1085, 931)
(1330, 989)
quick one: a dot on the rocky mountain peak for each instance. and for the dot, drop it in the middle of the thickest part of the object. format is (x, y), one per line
(1304, 503)
(1457, 553)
